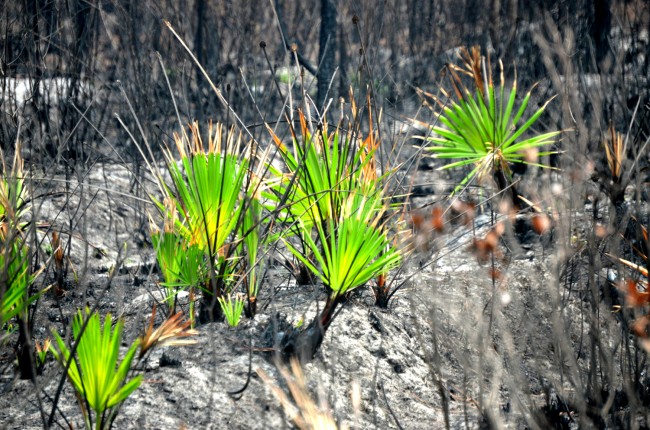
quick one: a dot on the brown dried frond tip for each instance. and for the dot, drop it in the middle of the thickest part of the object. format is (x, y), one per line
(472, 60)
(171, 333)
(615, 153)
(541, 223)
(438, 219)
(633, 297)
(303, 410)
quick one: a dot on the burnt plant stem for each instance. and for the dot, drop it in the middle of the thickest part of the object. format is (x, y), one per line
(210, 309)
(382, 292)
(506, 186)
(24, 353)
(304, 344)
(251, 309)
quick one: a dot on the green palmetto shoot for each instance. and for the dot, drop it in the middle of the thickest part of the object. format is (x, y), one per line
(486, 128)
(41, 351)
(352, 250)
(333, 200)
(356, 250)
(100, 382)
(252, 241)
(14, 262)
(207, 192)
(232, 309)
(182, 265)
(13, 202)
(16, 278)
(322, 169)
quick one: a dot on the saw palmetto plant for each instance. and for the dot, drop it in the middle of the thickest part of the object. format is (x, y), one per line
(13, 200)
(15, 270)
(332, 199)
(615, 178)
(348, 252)
(209, 182)
(16, 277)
(486, 127)
(322, 170)
(15, 297)
(211, 211)
(232, 309)
(101, 383)
(14, 267)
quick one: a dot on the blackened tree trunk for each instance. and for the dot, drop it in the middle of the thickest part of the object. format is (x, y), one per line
(198, 37)
(24, 352)
(344, 82)
(200, 53)
(327, 50)
(588, 21)
(600, 29)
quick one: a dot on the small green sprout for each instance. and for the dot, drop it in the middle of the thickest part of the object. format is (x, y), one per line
(41, 351)
(232, 309)
(101, 384)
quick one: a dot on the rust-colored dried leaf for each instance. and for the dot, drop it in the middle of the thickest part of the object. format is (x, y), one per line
(417, 221)
(640, 327)
(633, 297)
(173, 332)
(541, 223)
(438, 219)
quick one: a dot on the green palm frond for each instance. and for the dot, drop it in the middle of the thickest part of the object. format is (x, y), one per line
(232, 309)
(486, 127)
(14, 265)
(355, 247)
(209, 187)
(323, 169)
(15, 275)
(96, 375)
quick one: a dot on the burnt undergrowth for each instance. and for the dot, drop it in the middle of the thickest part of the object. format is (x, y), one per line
(519, 299)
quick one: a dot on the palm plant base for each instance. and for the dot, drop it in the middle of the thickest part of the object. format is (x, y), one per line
(304, 276)
(25, 363)
(209, 309)
(506, 186)
(382, 297)
(251, 308)
(304, 344)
